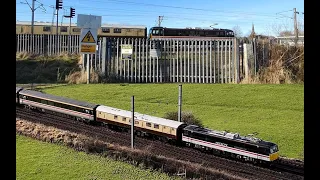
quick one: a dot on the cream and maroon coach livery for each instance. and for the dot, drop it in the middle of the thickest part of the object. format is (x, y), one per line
(145, 125)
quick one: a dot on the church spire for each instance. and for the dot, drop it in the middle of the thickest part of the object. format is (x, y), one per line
(253, 34)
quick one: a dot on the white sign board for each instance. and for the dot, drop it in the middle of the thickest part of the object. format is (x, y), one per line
(126, 49)
(126, 52)
(89, 21)
(88, 40)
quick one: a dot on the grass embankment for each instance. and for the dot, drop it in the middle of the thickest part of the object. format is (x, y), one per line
(272, 112)
(42, 160)
(44, 69)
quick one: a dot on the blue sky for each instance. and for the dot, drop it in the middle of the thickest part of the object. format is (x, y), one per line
(268, 16)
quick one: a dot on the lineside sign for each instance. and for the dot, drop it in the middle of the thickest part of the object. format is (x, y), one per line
(126, 52)
(85, 48)
(89, 29)
(88, 40)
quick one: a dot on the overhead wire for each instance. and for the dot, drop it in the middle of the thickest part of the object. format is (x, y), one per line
(149, 13)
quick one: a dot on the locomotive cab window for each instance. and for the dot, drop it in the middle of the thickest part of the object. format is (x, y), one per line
(274, 149)
(155, 32)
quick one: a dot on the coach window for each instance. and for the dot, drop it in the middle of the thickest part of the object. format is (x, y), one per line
(76, 30)
(51, 103)
(148, 124)
(124, 119)
(46, 29)
(136, 122)
(116, 30)
(156, 126)
(115, 117)
(72, 108)
(63, 29)
(36, 99)
(105, 30)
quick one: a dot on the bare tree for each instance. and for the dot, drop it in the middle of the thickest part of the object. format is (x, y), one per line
(286, 33)
(301, 28)
(237, 31)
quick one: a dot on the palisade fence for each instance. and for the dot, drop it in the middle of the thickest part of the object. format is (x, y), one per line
(190, 61)
(47, 44)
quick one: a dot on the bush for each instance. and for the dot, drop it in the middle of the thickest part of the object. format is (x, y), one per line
(186, 117)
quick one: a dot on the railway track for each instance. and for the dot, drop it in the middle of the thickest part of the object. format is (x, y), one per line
(242, 170)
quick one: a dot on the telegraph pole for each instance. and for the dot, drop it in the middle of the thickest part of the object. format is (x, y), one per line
(132, 122)
(33, 9)
(179, 102)
(295, 25)
(32, 18)
(57, 23)
(160, 18)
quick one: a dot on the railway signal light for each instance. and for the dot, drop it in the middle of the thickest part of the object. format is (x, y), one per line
(58, 4)
(72, 12)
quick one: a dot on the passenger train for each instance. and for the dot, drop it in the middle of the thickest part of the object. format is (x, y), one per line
(124, 31)
(106, 30)
(179, 133)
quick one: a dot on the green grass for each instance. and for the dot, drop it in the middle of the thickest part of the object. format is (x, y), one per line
(40, 160)
(274, 112)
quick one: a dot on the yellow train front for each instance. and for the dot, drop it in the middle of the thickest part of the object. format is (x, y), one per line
(106, 30)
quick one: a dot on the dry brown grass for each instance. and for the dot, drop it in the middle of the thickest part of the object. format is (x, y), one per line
(141, 158)
(61, 57)
(80, 77)
(285, 66)
(25, 56)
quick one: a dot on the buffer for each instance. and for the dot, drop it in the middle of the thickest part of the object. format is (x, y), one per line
(88, 38)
